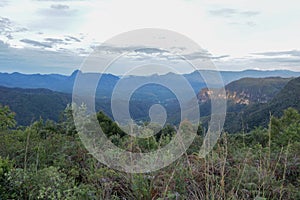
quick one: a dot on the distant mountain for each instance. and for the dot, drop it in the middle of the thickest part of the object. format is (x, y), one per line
(61, 83)
(247, 95)
(49, 81)
(229, 76)
(56, 82)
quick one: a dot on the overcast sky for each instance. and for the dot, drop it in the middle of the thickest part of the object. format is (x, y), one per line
(54, 36)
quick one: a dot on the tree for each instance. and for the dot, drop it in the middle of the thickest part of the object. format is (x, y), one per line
(67, 121)
(286, 129)
(7, 118)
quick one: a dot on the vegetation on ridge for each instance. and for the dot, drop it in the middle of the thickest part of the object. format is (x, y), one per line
(47, 160)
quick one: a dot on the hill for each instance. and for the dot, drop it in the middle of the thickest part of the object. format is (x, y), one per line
(30, 104)
(255, 90)
(258, 114)
(288, 97)
(244, 92)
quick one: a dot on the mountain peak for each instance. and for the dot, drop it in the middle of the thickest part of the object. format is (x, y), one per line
(75, 73)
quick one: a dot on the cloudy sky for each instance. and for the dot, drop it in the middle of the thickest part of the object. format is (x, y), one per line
(55, 36)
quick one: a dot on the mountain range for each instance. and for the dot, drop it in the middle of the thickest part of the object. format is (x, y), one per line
(63, 83)
(251, 95)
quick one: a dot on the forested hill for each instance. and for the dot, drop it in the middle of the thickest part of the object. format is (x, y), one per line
(31, 104)
(256, 90)
(249, 90)
(289, 96)
(258, 114)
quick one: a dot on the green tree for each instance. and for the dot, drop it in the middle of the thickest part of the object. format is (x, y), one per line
(7, 118)
(286, 129)
(5, 167)
(67, 121)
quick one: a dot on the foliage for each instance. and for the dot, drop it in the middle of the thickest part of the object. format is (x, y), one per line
(6, 118)
(258, 114)
(47, 160)
(286, 129)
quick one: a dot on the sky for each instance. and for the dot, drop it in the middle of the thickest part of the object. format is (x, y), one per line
(56, 36)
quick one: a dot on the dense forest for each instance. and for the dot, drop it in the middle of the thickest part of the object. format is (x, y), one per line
(46, 160)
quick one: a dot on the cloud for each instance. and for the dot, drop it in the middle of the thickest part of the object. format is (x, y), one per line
(280, 60)
(58, 17)
(255, 27)
(270, 60)
(67, 40)
(108, 48)
(150, 50)
(61, 0)
(36, 43)
(5, 25)
(55, 12)
(142, 53)
(230, 12)
(32, 60)
(18, 36)
(236, 17)
(132, 50)
(248, 23)
(279, 53)
(112, 49)
(224, 12)
(72, 38)
(60, 7)
(3, 3)
(203, 55)
(250, 13)
(8, 28)
(259, 63)
(54, 40)
(58, 10)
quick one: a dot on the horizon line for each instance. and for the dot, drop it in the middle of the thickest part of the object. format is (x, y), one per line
(119, 75)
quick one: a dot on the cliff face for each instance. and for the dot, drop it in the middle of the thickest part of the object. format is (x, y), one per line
(204, 95)
(248, 90)
(250, 102)
(238, 98)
